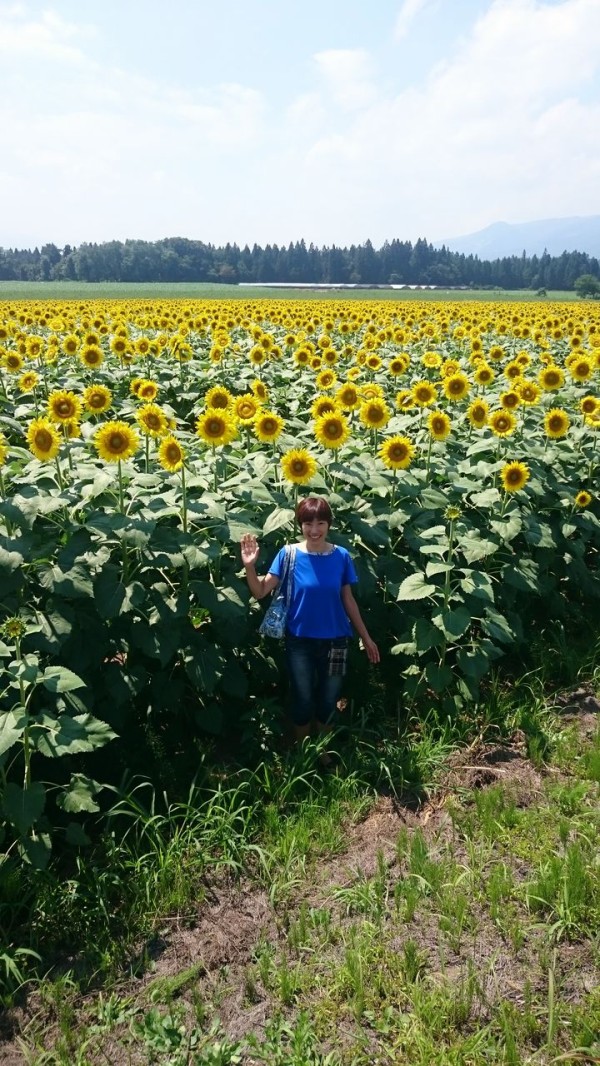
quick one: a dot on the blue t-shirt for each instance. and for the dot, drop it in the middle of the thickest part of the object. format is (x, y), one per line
(316, 609)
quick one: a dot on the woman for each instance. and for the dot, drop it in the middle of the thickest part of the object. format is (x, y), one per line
(320, 618)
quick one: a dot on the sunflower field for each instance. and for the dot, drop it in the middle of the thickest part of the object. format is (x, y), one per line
(456, 443)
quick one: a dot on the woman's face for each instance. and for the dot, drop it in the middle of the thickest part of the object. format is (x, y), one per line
(315, 532)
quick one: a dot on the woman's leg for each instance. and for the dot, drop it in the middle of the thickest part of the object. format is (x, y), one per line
(328, 688)
(300, 662)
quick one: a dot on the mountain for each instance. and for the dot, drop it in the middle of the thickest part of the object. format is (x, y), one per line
(555, 235)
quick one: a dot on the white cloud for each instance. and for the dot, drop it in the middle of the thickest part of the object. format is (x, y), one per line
(347, 76)
(406, 16)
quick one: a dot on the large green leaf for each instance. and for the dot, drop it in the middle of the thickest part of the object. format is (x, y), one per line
(476, 547)
(204, 665)
(114, 598)
(23, 806)
(60, 679)
(70, 736)
(453, 623)
(438, 677)
(36, 849)
(415, 587)
(10, 560)
(79, 795)
(12, 727)
(280, 517)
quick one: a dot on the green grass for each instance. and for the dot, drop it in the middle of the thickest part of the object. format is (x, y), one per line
(471, 936)
(80, 290)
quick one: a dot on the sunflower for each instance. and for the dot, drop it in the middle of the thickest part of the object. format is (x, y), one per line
(152, 420)
(588, 405)
(28, 381)
(64, 406)
(424, 393)
(259, 389)
(397, 453)
(398, 365)
(580, 368)
(298, 466)
(323, 405)
(583, 499)
(268, 426)
(373, 361)
(439, 425)
(514, 476)
(257, 355)
(371, 391)
(3, 449)
(449, 367)
(332, 430)
(43, 439)
(502, 423)
(91, 355)
(404, 399)
(326, 379)
(477, 413)
(116, 440)
(456, 386)
(97, 398)
(171, 454)
(496, 353)
(433, 360)
(513, 370)
(302, 356)
(375, 414)
(347, 397)
(246, 408)
(216, 427)
(220, 398)
(529, 392)
(484, 375)
(510, 400)
(551, 378)
(556, 423)
(71, 344)
(13, 362)
(147, 390)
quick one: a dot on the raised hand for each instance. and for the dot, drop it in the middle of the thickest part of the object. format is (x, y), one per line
(249, 549)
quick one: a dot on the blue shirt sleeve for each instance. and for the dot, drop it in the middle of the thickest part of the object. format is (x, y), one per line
(348, 573)
(276, 566)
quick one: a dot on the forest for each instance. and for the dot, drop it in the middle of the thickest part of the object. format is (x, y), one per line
(396, 262)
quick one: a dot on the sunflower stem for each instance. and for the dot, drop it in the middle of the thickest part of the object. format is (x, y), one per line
(427, 468)
(120, 483)
(184, 521)
(59, 473)
(147, 454)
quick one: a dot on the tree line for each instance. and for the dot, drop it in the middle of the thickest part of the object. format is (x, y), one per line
(396, 262)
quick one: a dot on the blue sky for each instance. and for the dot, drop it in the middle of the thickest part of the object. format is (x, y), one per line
(273, 121)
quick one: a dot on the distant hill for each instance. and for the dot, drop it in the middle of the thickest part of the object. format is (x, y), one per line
(556, 235)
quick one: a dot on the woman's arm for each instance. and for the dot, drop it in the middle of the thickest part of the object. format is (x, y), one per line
(259, 585)
(351, 609)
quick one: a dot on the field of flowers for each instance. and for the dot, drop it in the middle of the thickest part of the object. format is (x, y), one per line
(457, 444)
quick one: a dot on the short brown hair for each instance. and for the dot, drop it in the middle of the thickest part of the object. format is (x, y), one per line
(314, 507)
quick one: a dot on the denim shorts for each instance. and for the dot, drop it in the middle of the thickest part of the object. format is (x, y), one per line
(316, 670)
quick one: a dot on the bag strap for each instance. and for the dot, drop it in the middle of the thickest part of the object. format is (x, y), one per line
(290, 559)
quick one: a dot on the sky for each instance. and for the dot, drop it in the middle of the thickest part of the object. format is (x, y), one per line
(270, 121)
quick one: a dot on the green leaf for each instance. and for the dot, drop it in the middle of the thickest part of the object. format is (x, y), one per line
(79, 795)
(477, 584)
(524, 575)
(59, 679)
(438, 677)
(112, 597)
(280, 517)
(475, 547)
(426, 635)
(496, 625)
(76, 835)
(453, 623)
(69, 736)
(486, 498)
(437, 568)
(432, 499)
(507, 528)
(12, 727)
(23, 806)
(203, 665)
(10, 560)
(474, 664)
(415, 587)
(75, 584)
(36, 850)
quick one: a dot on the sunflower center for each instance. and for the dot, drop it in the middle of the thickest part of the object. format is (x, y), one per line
(43, 440)
(298, 467)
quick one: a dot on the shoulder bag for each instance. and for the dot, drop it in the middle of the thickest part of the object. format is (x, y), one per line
(274, 621)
